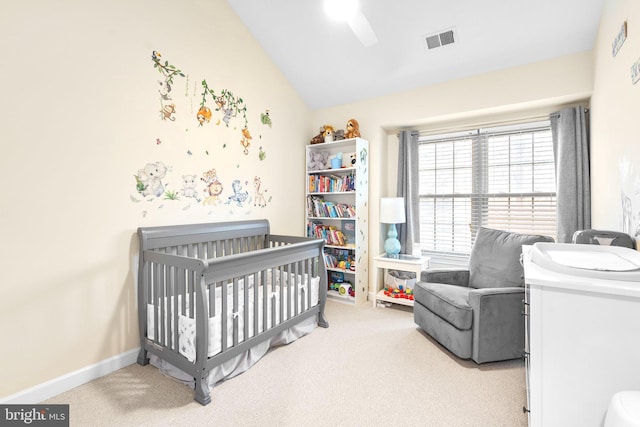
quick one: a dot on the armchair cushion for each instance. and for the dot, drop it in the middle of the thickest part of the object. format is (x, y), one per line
(449, 302)
(495, 258)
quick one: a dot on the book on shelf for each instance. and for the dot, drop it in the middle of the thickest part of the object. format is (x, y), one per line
(331, 183)
(330, 233)
(317, 206)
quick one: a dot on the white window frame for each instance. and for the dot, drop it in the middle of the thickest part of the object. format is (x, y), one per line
(469, 202)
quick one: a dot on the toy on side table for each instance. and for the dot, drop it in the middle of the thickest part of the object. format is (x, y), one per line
(399, 293)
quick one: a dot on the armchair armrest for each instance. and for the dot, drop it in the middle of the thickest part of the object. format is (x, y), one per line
(498, 323)
(449, 276)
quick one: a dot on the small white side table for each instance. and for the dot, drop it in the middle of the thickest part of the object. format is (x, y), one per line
(402, 263)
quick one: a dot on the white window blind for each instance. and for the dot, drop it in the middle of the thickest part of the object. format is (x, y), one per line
(501, 178)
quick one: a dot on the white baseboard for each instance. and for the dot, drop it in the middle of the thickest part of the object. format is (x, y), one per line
(71, 380)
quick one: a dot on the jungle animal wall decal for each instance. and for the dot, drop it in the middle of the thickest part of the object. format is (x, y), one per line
(168, 71)
(225, 101)
(160, 182)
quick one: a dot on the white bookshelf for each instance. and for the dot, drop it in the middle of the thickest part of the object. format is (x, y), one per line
(325, 207)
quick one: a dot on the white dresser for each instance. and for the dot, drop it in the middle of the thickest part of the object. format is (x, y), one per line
(583, 331)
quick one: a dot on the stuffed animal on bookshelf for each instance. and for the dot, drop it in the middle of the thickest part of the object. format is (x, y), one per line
(317, 160)
(353, 129)
(329, 133)
(338, 135)
(319, 138)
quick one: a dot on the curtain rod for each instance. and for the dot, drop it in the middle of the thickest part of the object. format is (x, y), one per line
(481, 124)
(557, 113)
(463, 125)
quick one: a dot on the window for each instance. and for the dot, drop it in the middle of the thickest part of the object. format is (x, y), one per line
(501, 178)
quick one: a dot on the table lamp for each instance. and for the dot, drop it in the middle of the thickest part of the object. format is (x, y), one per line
(392, 212)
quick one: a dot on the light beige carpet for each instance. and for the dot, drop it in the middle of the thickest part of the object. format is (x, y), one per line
(371, 367)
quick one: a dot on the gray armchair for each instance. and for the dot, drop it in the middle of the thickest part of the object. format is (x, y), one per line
(476, 313)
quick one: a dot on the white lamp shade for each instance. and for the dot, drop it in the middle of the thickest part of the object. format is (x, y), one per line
(392, 210)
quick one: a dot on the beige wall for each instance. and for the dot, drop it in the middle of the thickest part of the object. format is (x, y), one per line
(80, 117)
(530, 90)
(615, 125)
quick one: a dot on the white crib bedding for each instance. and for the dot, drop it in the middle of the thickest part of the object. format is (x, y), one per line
(242, 362)
(187, 325)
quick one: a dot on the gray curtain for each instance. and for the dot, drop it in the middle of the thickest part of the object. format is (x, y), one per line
(570, 132)
(409, 232)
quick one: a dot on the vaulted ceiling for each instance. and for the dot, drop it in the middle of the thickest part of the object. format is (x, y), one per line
(327, 64)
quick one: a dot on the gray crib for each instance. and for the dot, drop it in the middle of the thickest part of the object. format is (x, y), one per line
(182, 268)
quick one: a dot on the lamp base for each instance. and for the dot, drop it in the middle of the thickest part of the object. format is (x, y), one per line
(392, 244)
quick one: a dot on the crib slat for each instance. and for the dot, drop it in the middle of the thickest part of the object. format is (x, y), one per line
(172, 312)
(182, 290)
(290, 283)
(265, 300)
(245, 308)
(296, 291)
(282, 291)
(192, 286)
(308, 276)
(212, 301)
(223, 315)
(304, 306)
(176, 305)
(156, 299)
(234, 313)
(256, 303)
(162, 300)
(273, 297)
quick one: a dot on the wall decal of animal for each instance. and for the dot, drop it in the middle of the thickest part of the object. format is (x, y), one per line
(213, 187)
(258, 198)
(149, 179)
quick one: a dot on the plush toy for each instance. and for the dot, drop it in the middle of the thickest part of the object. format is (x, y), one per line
(338, 135)
(353, 129)
(319, 138)
(318, 160)
(328, 133)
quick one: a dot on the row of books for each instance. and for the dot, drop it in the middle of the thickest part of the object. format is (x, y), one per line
(330, 233)
(331, 183)
(319, 207)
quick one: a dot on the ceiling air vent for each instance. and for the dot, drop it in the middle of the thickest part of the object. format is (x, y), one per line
(442, 38)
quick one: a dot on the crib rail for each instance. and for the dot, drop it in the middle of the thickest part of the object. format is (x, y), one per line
(299, 262)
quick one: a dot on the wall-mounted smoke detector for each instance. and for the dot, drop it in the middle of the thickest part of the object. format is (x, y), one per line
(441, 38)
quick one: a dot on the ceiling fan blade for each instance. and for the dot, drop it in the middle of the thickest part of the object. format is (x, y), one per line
(362, 29)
